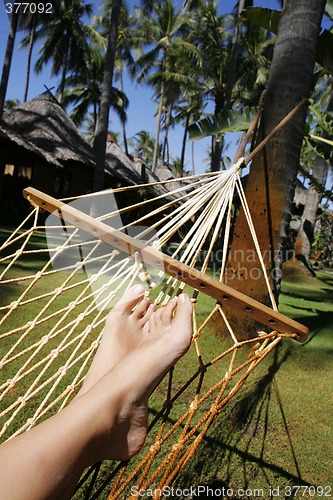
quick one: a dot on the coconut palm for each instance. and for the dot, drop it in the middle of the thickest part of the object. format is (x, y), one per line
(32, 21)
(8, 59)
(163, 29)
(106, 97)
(270, 187)
(214, 41)
(83, 91)
(66, 40)
(143, 143)
(126, 43)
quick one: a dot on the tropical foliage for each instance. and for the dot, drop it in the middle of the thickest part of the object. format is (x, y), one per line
(206, 69)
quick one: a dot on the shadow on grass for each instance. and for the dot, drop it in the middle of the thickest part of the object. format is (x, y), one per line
(233, 451)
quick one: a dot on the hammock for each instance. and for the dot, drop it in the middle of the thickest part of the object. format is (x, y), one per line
(53, 322)
(54, 298)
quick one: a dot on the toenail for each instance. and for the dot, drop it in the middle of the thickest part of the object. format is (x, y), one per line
(138, 289)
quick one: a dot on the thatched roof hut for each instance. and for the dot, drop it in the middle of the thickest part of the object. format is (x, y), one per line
(42, 127)
(40, 146)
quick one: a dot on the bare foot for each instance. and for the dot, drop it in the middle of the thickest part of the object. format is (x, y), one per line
(125, 390)
(122, 333)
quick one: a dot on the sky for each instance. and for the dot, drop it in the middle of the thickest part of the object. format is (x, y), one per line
(141, 109)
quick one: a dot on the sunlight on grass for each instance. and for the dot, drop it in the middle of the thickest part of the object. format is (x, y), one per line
(275, 432)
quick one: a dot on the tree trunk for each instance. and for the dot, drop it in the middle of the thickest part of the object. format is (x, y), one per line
(157, 133)
(123, 124)
(193, 161)
(234, 55)
(8, 60)
(31, 44)
(271, 182)
(103, 117)
(64, 73)
(182, 156)
(305, 235)
(217, 143)
(306, 232)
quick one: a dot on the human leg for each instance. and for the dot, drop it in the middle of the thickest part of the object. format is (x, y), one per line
(107, 421)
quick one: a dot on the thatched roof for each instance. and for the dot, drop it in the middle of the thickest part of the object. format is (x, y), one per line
(120, 167)
(42, 127)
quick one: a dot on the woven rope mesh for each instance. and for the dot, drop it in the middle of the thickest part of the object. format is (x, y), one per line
(57, 286)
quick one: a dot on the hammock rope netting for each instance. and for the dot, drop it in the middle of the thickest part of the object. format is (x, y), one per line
(55, 295)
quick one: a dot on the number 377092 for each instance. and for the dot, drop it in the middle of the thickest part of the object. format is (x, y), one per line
(29, 8)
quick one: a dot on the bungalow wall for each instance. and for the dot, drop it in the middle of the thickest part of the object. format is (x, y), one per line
(19, 170)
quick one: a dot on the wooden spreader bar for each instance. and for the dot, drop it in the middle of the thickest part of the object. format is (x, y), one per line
(197, 280)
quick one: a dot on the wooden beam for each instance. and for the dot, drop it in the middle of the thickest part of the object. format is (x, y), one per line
(197, 280)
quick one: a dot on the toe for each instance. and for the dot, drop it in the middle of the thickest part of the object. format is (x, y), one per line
(149, 312)
(130, 299)
(167, 312)
(141, 308)
(183, 318)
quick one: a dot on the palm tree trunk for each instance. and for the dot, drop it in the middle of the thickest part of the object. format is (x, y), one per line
(8, 60)
(217, 143)
(234, 55)
(63, 76)
(271, 182)
(182, 155)
(123, 125)
(103, 117)
(31, 44)
(305, 235)
(306, 232)
(158, 126)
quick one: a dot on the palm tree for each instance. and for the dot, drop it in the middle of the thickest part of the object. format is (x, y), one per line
(103, 117)
(126, 43)
(67, 40)
(32, 21)
(163, 29)
(83, 90)
(317, 160)
(214, 43)
(270, 187)
(143, 143)
(8, 59)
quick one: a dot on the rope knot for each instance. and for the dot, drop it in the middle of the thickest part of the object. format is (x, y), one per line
(95, 344)
(155, 448)
(214, 408)
(31, 422)
(178, 446)
(11, 382)
(45, 339)
(194, 406)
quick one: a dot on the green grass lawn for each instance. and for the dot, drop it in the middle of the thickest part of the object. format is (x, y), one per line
(276, 432)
